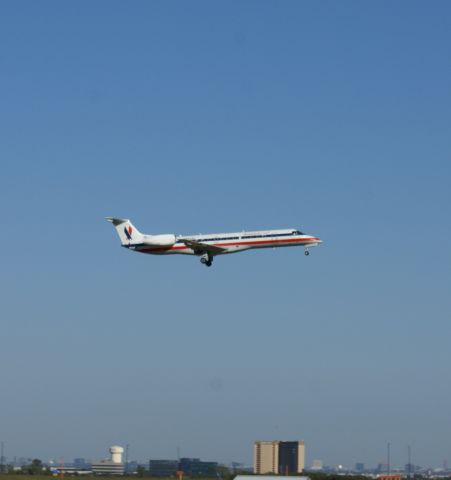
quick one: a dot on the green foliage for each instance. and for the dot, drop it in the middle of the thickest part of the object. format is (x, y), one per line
(140, 471)
(35, 468)
(334, 476)
(224, 473)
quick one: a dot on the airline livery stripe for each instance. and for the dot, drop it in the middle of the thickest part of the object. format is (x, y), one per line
(253, 242)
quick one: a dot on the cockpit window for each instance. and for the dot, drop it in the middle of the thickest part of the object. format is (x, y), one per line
(298, 232)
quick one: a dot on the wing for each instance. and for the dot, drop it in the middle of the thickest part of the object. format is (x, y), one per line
(200, 247)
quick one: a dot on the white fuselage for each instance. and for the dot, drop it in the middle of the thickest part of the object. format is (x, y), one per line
(230, 242)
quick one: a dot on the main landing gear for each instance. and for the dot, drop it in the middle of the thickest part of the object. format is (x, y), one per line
(206, 259)
(306, 252)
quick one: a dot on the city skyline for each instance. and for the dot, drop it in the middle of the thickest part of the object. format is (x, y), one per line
(311, 463)
(193, 117)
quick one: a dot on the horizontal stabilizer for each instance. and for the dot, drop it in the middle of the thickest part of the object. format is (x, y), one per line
(116, 221)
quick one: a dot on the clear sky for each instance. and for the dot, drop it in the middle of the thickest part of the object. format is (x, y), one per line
(188, 117)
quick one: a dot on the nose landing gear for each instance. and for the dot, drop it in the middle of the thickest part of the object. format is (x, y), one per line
(306, 252)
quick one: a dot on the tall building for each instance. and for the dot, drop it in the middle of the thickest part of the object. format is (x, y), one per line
(266, 457)
(279, 457)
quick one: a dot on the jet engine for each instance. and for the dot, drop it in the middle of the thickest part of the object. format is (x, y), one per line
(166, 240)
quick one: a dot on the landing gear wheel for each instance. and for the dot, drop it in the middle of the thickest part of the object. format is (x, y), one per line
(206, 259)
(307, 253)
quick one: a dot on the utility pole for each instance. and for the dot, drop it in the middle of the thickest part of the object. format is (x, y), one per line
(388, 458)
(2, 458)
(409, 460)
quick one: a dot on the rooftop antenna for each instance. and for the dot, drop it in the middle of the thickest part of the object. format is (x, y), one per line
(178, 454)
(126, 457)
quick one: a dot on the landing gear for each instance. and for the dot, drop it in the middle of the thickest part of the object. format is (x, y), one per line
(206, 259)
(306, 252)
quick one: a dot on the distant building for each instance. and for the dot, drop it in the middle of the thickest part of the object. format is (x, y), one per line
(69, 470)
(81, 463)
(279, 457)
(194, 467)
(266, 457)
(382, 467)
(114, 466)
(163, 468)
(108, 467)
(291, 457)
(131, 467)
(317, 465)
(359, 467)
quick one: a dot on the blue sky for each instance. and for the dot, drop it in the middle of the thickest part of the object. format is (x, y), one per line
(189, 117)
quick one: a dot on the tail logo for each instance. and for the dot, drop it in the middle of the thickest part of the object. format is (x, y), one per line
(128, 232)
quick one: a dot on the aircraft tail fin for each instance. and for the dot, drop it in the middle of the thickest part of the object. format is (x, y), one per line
(127, 232)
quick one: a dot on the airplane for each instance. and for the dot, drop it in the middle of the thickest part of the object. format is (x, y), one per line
(208, 246)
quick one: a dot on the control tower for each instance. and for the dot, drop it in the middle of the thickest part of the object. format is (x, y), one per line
(113, 466)
(116, 454)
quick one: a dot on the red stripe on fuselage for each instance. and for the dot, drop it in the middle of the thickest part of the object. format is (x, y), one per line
(234, 244)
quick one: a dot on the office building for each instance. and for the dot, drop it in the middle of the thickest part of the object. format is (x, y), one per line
(194, 467)
(291, 457)
(163, 468)
(279, 457)
(266, 457)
